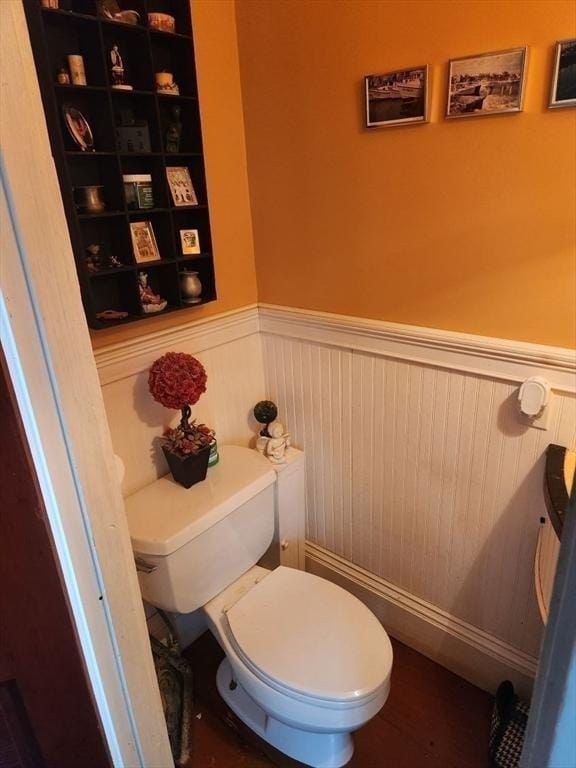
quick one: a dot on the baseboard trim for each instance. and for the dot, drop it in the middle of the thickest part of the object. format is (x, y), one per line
(127, 358)
(466, 650)
(479, 355)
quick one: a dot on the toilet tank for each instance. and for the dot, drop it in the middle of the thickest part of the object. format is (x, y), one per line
(190, 544)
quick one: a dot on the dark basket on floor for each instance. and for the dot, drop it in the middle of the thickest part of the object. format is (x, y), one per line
(507, 729)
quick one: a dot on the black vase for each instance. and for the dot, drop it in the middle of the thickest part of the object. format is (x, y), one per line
(188, 470)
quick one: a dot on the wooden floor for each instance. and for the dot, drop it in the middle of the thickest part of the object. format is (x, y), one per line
(432, 719)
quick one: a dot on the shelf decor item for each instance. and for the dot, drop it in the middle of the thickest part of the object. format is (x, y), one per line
(177, 380)
(144, 242)
(77, 71)
(132, 135)
(117, 71)
(162, 22)
(165, 83)
(190, 287)
(190, 242)
(78, 127)
(563, 92)
(397, 98)
(487, 84)
(181, 187)
(151, 302)
(109, 9)
(63, 76)
(138, 191)
(89, 199)
(174, 131)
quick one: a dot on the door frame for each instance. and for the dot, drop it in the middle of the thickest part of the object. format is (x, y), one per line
(51, 365)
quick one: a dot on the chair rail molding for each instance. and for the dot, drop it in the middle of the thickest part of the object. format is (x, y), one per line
(502, 359)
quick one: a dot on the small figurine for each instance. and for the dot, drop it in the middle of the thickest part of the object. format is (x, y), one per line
(174, 132)
(96, 261)
(274, 446)
(117, 70)
(63, 76)
(151, 302)
(112, 314)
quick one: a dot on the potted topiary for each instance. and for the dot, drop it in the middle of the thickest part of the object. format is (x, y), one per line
(177, 380)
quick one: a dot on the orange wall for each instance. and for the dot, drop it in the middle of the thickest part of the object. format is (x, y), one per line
(216, 51)
(464, 224)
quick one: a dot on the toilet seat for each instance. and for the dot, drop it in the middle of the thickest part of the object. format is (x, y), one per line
(310, 639)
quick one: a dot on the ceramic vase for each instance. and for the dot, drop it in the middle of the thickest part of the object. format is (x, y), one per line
(190, 287)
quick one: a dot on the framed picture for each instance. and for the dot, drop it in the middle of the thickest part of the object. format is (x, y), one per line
(563, 92)
(144, 242)
(78, 127)
(181, 186)
(190, 241)
(487, 84)
(397, 98)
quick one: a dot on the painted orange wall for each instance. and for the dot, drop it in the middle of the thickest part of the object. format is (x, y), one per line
(216, 51)
(466, 225)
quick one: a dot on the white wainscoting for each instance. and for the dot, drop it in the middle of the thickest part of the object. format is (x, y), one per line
(420, 473)
(230, 349)
(424, 490)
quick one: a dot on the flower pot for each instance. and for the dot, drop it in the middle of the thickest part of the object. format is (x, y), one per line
(188, 470)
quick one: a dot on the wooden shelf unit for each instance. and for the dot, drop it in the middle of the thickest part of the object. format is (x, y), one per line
(75, 28)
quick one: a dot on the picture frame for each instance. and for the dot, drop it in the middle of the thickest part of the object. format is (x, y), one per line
(181, 187)
(144, 242)
(190, 242)
(399, 97)
(487, 83)
(563, 90)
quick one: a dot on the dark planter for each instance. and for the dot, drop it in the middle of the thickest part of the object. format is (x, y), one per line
(188, 470)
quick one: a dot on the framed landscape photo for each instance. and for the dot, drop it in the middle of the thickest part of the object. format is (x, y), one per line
(487, 84)
(190, 241)
(564, 79)
(181, 187)
(144, 242)
(397, 98)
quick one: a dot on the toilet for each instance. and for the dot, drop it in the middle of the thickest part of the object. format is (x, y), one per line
(306, 663)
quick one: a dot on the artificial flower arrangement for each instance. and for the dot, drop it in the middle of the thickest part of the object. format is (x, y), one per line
(177, 380)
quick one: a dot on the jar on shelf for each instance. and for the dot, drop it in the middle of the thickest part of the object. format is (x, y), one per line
(138, 191)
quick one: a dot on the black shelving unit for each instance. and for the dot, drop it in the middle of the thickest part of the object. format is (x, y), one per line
(76, 28)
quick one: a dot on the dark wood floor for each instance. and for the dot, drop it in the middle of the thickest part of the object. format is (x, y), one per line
(432, 719)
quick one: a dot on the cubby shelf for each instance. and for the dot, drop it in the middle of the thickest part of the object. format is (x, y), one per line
(76, 28)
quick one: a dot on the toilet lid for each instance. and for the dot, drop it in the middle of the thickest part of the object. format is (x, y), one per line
(311, 636)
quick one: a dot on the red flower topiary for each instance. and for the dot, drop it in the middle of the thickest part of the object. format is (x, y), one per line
(177, 380)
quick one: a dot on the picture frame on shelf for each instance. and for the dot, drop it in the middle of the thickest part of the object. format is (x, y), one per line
(181, 187)
(190, 242)
(487, 83)
(395, 98)
(144, 242)
(563, 90)
(78, 127)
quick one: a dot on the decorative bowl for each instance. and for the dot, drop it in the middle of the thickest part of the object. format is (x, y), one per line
(162, 22)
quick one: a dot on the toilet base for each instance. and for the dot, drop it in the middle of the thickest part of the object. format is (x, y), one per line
(319, 750)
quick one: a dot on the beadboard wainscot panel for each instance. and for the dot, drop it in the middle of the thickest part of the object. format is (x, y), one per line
(422, 478)
(228, 346)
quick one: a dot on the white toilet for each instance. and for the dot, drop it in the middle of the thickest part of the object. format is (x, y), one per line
(306, 662)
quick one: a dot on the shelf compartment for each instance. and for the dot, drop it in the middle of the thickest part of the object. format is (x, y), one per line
(191, 137)
(171, 53)
(163, 233)
(135, 56)
(153, 166)
(163, 280)
(67, 34)
(205, 272)
(95, 107)
(130, 112)
(112, 235)
(191, 219)
(195, 166)
(117, 291)
(85, 172)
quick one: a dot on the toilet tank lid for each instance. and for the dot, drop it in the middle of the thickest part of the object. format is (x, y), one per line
(164, 516)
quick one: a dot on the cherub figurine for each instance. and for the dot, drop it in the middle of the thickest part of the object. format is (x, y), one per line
(274, 447)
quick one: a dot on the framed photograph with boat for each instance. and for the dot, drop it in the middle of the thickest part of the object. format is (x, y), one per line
(487, 84)
(397, 98)
(564, 80)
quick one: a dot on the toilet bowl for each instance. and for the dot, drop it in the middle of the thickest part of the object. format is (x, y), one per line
(306, 663)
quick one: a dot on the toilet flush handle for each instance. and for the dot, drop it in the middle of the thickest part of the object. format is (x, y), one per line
(142, 565)
(284, 545)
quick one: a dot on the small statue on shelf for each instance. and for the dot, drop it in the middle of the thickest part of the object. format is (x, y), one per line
(97, 261)
(174, 132)
(117, 72)
(274, 447)
(151, 302)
